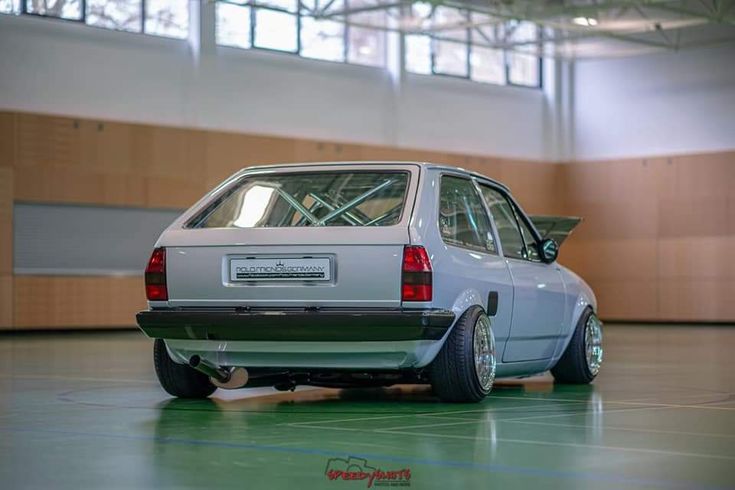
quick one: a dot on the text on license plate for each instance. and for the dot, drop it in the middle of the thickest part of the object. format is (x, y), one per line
(283, 269)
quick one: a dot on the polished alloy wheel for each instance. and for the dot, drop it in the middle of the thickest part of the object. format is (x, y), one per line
(484, 353)
(593, 344)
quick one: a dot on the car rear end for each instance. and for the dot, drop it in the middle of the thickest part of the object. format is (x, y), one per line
(301, 266)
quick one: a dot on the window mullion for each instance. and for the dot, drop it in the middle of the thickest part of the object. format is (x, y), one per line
(253, 21)
(346, 32)
(298, 30)
(143, 11)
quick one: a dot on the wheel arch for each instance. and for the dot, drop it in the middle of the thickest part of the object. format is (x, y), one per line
(465, 300)
(581, 306)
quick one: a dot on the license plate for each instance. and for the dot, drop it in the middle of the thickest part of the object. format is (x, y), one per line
(284, 269)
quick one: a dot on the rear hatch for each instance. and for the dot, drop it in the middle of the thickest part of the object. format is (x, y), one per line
(323, 235)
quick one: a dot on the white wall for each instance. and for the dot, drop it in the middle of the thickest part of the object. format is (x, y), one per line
(57, 67)
(669, 103)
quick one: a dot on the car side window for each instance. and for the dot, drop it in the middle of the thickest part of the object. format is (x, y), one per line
(463, 221)
(531, 245)
(506, 222)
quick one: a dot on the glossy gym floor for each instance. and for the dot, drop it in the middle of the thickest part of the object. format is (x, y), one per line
(85, 411)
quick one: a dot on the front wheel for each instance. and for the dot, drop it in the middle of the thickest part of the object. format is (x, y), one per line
(464, 369)
(178, 379)
(581, 362)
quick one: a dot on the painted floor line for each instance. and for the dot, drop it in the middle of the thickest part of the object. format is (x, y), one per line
(629, 429)
(571, 445)
(528, 441)
(488, 467)
(414, 414)
(633, 402)
(530, 417)
(76, 378)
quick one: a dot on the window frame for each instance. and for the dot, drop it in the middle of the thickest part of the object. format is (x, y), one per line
(298, 52)
(469, 44)
(519, 217)
(203, 212)
(493, 231)
(82, 13)
(141, 29)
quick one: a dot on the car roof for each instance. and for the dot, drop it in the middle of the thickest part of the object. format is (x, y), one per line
(425, 165)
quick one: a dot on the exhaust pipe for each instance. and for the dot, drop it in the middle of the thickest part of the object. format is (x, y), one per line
(216, 373)
(221, 377)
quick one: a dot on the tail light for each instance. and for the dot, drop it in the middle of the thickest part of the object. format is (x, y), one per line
(155, 276)
(416, 274)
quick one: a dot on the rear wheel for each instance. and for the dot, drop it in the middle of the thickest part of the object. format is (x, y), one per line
(581, 362)
(178, 379)
(464, 369)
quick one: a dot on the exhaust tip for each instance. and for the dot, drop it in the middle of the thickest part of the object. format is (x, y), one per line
(194, 361)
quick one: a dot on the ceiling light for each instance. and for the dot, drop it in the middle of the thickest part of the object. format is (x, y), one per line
(585, 21)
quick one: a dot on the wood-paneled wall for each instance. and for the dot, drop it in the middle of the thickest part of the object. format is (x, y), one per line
(79, 302)
(77, 160)
(7, 155)
(658, 238)
(655, 244)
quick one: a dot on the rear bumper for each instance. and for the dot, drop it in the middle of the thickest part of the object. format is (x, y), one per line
(296, 325)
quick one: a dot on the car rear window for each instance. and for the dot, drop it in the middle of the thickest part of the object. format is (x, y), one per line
(327, 198)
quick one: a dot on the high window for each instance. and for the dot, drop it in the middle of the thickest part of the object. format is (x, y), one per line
(437, 40)
(168, 18)
(461, 43)
(293, 27)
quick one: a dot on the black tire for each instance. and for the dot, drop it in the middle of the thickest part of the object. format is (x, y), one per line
(179, 380)
(452, 373)
(572, 367)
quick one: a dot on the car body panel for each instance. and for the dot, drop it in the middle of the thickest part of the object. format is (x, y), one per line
(538, 304)
(538, 310)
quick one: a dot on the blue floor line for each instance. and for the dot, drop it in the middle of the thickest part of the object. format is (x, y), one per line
(492, 468)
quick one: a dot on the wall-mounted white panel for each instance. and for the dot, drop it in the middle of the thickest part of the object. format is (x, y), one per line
(51, 239)
(662, 104)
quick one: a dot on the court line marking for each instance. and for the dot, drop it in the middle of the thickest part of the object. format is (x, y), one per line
(631, 429)
(424, 414)
(646, 406)
(488, 467)
(530, 417)
(394, 431)
(76, 378)
(572, 445)
(634, 402)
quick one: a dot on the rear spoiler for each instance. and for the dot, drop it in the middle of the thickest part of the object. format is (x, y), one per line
(556, 227)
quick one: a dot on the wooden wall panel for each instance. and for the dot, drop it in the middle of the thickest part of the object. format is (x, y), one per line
(655, 244)
(696, 299)
(708, 257)
(6, 247)
(633, 258)
(666, 224)
(625, 299)
(537, 187)
(226, 153)
(6, 302)
(7, 139)
(63, 301)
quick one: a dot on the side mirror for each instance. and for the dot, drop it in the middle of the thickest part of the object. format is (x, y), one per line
(548, 250)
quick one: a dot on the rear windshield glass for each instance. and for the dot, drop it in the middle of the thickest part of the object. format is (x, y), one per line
(358, 198)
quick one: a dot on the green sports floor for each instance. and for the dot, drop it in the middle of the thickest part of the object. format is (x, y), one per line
(84, 410)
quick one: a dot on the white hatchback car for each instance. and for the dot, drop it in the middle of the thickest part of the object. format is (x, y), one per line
(365, 274)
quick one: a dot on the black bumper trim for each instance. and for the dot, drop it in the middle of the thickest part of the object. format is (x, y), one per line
(323, 324)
